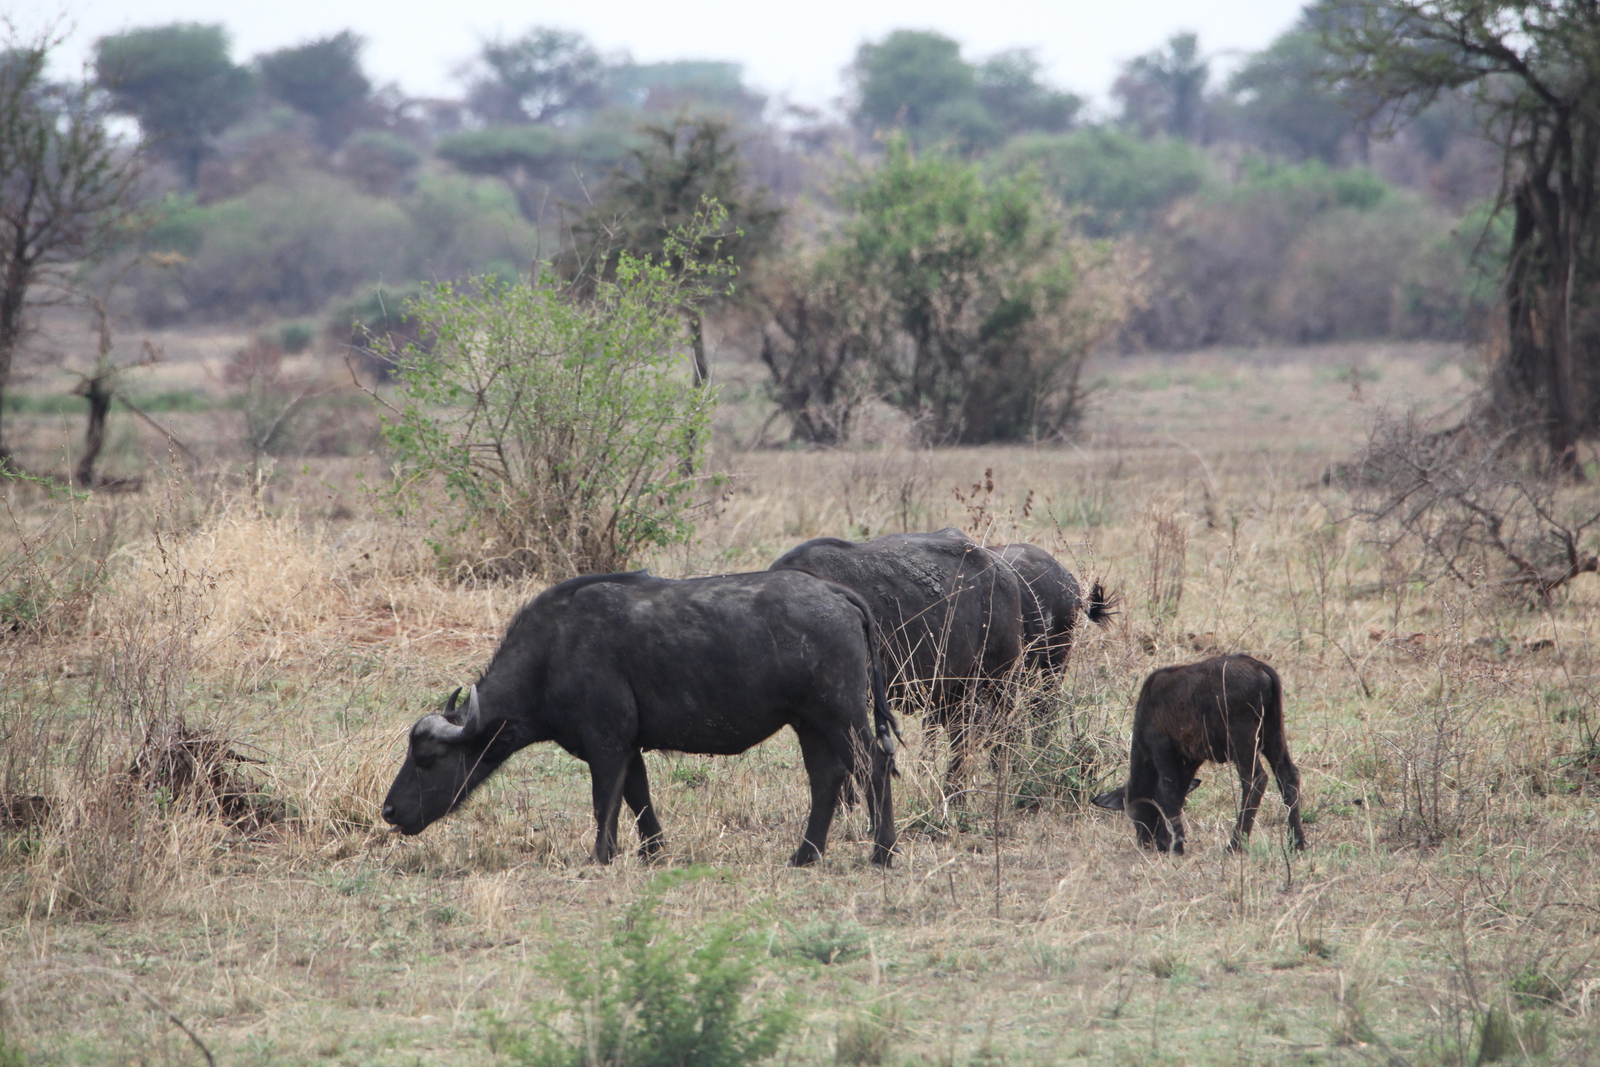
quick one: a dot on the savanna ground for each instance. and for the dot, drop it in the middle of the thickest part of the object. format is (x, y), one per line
(1447, 910)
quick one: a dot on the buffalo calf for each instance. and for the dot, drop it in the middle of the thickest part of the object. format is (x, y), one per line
(609, 666)
(1227, 708)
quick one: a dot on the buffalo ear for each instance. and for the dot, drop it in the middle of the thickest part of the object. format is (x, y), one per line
(1112, 801)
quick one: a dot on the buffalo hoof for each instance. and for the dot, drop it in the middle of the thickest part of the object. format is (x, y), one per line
(804, 856)
(882, 857)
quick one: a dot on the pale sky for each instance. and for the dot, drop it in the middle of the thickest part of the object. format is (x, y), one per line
(795, 51)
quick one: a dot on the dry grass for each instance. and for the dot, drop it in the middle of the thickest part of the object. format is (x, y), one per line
(1449, 902)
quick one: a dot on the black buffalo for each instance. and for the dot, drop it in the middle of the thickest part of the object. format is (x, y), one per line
(950, 617)
(608, 666)
(1224, 708)
(1051, 600)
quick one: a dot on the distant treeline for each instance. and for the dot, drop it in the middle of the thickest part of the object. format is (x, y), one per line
(1263, 208)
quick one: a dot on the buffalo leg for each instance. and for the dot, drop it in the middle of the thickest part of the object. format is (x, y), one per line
(1173, 771)
(827, 774)
(1288, 776)
(1252, 784)
(1171, 792)
(607, 774)
(880, 806)
(960, 735)
(1137, 797)
(961, 723)
(636, 791)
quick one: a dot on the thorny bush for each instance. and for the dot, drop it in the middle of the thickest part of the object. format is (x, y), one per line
(1474, 508)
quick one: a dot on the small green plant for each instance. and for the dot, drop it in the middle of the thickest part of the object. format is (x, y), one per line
(650, 997)
(693, 775)
(561, 420)
(1321, 949)
(1164, 965)
(830, 941)
(1497, 1036)
(867, 1038)
(10, 1054)
(296, 337)
(1058, 772)
(1533, 988)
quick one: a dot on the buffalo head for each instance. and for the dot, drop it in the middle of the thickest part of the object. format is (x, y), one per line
(1117, 799)
(445, 761)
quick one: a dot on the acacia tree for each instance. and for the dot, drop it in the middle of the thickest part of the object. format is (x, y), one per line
(179, 83)
(1534, 72)
(323, 79)
(66, 187)
(539, 77)
(1164, 91)
(663, 188)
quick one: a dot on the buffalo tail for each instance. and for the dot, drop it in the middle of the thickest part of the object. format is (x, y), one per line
(1101, 606)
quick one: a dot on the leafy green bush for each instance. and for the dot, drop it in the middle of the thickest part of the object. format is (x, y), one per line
(292, 245)
(1117, 181)
(538, 162)
(994, 302)
(1303, 253)
(649, 997)
(500, 148)
(379, 161)
(464, 226)
(288, 246)
(296, 337)
(565, 429)
(1309, 188)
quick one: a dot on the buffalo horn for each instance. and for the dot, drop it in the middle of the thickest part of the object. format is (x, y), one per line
(439, 728)
(443, 729)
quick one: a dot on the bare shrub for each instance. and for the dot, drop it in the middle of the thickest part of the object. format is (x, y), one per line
(134, 790)
(1440, 754)
(286, 413)
(1166, 540)
(55, 560)
(1472, 507)
(816, 342)
(1344, 276)
(885, 490)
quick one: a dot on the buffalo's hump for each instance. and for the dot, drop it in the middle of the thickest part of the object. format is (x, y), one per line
(946, 607)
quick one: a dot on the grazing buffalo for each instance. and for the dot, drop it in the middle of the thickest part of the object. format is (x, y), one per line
(949, 614)
(1224, 708)
(611, 665)
(1051, 600)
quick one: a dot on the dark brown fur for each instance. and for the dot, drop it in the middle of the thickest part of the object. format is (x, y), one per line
(1225, 709)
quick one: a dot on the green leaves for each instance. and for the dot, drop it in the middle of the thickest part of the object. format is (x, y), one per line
(989, 291)
(180, 83)
(650, 997)
(565, 430)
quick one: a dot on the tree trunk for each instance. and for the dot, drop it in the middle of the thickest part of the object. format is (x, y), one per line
(94, 435)
(697, 342)
(1538, 374)
(11, 306)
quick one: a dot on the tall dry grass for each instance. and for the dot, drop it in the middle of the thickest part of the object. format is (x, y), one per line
(1446, 738)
